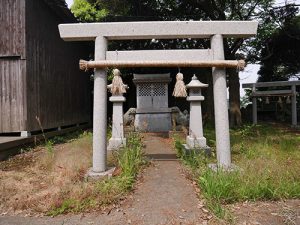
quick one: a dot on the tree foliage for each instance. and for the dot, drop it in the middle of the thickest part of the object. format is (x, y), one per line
(264, 11)
(87, 11)
(281, 52)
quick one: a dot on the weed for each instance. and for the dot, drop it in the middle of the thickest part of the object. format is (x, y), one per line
(109, 131)
(58, 139)
(219, 186)
(289, 144)
(193, 158)
(131, 157)
(49, 146)
(65, 206)
(129, 160)
(267, 159)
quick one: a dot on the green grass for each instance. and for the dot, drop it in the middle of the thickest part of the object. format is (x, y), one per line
(131, 158)
(269, 162)
(49, 146)
(95, 194)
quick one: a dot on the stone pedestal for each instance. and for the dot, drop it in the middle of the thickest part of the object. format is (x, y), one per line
(195, 139)
(98, 175)
(117, 139)
(151, 120)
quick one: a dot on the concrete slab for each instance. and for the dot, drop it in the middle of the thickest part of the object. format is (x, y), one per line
(4, 140)
(10, 145)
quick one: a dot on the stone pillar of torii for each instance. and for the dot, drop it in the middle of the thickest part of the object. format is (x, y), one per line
(101, 33)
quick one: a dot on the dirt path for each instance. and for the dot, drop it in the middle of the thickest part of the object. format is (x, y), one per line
(267, 213)
(164, 196)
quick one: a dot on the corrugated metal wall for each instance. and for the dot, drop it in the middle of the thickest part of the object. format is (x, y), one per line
(57, 92)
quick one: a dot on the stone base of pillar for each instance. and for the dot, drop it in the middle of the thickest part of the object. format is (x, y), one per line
(153, 122)
(215, 167)
(193, 142)
(206, 150)
(116, 143)
(98, 175)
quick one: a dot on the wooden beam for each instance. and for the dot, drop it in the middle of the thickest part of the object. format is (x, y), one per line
(84, 65)
(157, 29)
(161, 55)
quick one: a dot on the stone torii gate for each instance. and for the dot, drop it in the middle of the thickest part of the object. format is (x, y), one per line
(101, 33)
(292, 92)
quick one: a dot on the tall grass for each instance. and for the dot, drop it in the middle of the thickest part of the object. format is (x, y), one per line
(131, 157)
(129, 161)
(269, 162)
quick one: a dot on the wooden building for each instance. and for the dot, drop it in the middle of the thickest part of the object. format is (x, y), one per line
(39, 74)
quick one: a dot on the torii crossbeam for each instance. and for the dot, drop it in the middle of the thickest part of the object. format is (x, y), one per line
(101, 33)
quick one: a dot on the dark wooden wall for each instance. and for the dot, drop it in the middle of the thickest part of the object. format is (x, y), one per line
(12, 95)
(12, 66)
(39, 74)
(12, 28)
(57, 92)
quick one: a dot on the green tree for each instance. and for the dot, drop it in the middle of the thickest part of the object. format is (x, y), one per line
(281, 53)
(87, 11)
(260, 10)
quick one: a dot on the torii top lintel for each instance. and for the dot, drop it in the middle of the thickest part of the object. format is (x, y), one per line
(157, 29)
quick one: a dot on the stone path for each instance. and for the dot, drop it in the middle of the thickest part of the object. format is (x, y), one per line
(164, 196)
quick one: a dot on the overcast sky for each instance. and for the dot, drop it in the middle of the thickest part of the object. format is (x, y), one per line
(249, 75)
(69, 2)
